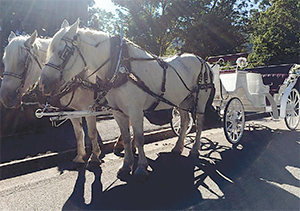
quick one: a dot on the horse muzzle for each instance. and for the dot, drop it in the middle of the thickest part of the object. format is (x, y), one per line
(49, 86)
(10, 100)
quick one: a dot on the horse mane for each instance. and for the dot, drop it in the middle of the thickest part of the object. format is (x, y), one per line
(93, 36)
(89, 36)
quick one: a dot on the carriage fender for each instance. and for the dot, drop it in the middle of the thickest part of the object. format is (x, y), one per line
(284, 99)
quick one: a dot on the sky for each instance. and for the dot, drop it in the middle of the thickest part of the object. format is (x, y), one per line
(105, 4)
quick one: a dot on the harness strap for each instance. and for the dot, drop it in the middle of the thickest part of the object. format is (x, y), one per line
(164, 66)
(114, 55)
(34, 57)
(137, 81)
(13, 75)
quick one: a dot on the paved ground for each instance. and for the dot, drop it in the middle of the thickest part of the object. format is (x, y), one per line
(262, 173)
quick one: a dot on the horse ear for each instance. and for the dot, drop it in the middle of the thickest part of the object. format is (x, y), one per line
(74, 27)
(29, 42)
(11, 36)
(64, 24)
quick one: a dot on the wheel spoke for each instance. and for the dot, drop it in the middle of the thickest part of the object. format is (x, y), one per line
(177, 123)
(234, 120)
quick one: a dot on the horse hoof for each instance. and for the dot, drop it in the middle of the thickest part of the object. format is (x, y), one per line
(123, 173)
(94, 159)
(176, 151)
(75, 166)
(93, 162)
(92, 165)
(194, 153)
(78, 159)
(118, 149)
(141, 174)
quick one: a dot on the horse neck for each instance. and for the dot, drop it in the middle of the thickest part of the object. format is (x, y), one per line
(96, 56)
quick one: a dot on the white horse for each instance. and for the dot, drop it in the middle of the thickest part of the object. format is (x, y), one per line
(188, 83)
(24, 58)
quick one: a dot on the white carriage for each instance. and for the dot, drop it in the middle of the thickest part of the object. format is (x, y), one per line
(240, 91)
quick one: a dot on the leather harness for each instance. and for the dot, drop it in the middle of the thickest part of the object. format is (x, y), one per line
(120, 62)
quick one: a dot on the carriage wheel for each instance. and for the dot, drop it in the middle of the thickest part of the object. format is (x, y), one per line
(175, 123)
(234, 120)
(292, 115)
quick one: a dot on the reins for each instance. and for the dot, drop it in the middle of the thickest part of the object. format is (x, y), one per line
(110, 81)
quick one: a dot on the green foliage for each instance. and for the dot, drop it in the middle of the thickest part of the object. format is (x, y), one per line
(101, 20)
(275, 33)
(45, 16)
(151, 24)
(204, 27)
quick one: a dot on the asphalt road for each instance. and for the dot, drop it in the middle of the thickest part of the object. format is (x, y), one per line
(262, 173)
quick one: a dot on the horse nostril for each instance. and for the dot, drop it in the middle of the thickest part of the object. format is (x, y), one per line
(45, 90)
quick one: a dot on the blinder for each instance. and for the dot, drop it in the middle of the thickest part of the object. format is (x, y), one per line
(66, 54)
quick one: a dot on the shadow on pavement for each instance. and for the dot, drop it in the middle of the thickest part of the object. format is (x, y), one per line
(260, 174)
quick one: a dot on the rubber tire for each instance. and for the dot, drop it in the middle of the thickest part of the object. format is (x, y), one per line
(293, 97)
(234, 138)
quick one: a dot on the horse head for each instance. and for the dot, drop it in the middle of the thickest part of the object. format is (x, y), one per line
(63, 54)
(74, 51)
(20, 71)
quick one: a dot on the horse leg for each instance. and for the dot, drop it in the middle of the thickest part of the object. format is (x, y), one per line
(119, 145)
(141, 172)
(79, 134)
(184, 121)
(92, 133)
(199, 128)
(123, 123)
(203, 97)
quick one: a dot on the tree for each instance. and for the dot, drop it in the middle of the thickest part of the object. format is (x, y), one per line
(215, 28)
(275, 33)
(150, 23)
(43, 15)
(101, 20)
(204, 27)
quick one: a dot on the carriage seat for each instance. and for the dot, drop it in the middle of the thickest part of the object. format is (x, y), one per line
(255, 84)
(274, 80)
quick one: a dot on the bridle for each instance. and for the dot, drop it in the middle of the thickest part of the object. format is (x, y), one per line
(68, 51)
(23, 75)
(71, 45)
